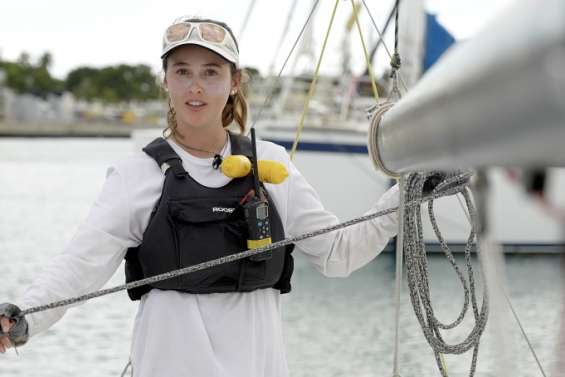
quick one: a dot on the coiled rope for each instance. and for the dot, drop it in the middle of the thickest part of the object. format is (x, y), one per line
(417, 268)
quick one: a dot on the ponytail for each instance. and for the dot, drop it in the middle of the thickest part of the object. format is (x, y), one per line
(172, 125)
(236, 110)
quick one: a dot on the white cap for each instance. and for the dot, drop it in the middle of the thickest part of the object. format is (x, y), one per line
(227, 48)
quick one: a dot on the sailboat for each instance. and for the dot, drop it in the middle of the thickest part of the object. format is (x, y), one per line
(332, 151)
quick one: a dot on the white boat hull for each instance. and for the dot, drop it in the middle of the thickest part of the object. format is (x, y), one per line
(336, 164)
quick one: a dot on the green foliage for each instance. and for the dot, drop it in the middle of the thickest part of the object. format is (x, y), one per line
(119, 83)
(24, 77)
(81, 83)
(113, 84)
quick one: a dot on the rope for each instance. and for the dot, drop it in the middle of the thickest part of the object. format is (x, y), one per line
(381, 37)
(376, 46)
(228, 258)
(417, 271)
(367, 60)
(378, 110)
(395, 60)
(373, 139)
(313, 84)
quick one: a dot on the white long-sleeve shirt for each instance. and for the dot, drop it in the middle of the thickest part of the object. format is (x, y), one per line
(208, 335)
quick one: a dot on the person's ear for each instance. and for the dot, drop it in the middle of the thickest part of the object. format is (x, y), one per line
(235, 82)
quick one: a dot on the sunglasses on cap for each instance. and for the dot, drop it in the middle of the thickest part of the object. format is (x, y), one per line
(201, 32)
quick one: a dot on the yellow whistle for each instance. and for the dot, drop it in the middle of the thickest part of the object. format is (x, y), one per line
(270, 171)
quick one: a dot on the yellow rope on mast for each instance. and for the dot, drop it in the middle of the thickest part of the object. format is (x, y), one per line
(367, 60)
(314, 82)
(312, 85)
(351, 19)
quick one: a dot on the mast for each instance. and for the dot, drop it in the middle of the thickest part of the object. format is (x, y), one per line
(305, 51)
(411, 38)
(346, 74)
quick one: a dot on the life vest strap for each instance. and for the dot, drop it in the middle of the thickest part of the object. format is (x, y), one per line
(166, 157)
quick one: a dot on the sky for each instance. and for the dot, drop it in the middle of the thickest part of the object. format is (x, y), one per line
(105, 32)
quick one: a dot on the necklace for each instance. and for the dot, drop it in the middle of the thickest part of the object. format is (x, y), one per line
(218, 157)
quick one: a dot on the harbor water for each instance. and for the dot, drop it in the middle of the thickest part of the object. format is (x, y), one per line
(333, 327)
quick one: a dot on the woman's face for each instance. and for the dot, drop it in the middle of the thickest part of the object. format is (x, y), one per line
(199, 82)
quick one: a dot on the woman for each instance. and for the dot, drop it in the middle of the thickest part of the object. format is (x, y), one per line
(172, 207)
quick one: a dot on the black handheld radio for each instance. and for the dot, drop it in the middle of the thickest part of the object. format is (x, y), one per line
(256, 212)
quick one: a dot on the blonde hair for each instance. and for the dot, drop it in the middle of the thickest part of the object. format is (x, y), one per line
(236, 109)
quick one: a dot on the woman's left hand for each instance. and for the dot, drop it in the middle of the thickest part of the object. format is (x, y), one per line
(14, 327)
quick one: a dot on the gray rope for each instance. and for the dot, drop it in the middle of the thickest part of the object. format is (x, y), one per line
(395, 61)
(207, 264)
(417, 269)
(230, 258)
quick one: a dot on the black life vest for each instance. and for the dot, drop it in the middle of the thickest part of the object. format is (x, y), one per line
(192, 224)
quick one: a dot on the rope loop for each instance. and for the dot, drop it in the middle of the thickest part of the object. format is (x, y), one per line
(418, 278)
(377, 113)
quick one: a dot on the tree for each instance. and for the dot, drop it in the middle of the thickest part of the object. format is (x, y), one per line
(16, 77)
(121, 83)
(23, 77)
(82, 83)
(23, 59)
(46, 60)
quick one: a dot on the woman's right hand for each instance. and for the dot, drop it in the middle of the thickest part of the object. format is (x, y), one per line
(14, 327)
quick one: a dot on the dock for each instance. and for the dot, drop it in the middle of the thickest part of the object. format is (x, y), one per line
(71, 129)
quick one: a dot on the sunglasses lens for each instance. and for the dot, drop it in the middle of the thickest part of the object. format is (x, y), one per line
(177, 32)
(212, 33)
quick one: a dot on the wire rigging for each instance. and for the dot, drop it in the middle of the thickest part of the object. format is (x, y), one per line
(312, 89)
(278, 78)
(366, 53)
(381, 38)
